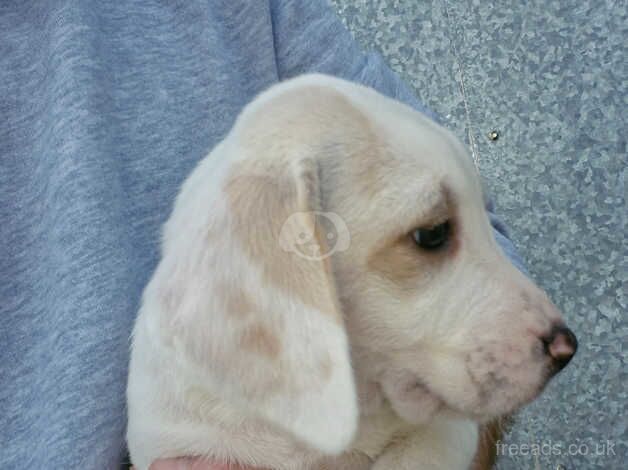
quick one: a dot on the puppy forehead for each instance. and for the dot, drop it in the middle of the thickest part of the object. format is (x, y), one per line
(301, 111)
(392, 151)
(411, 196)
(424, 147)
(429, 177)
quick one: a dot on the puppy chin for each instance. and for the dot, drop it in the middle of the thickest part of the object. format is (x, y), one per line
(497, 404)
(410, 398)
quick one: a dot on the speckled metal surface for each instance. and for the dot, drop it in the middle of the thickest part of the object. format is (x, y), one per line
(552, 79)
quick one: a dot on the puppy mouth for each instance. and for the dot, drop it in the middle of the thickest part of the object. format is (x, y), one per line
(444, 406)
(420, 386)
(412, 400)
(478, 396)
(435, 402)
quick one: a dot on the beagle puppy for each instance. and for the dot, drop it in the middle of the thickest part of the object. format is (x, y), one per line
(330, 296)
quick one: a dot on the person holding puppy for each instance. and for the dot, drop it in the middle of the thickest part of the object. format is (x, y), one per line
(107, 106)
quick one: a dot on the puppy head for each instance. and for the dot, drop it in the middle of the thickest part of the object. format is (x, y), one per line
(331, 212)
(437, 316)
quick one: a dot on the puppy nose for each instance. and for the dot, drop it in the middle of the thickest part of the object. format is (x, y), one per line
(561, 345)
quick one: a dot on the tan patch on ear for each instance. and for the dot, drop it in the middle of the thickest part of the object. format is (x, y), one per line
(260, 205)
(260, 340)
(237, 302)
(292, 141)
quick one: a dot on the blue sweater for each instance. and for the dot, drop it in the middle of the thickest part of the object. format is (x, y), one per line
(105, 107)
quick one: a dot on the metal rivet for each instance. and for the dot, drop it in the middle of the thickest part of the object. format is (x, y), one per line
(493, 135)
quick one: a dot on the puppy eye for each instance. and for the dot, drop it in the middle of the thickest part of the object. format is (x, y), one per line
(432, 238)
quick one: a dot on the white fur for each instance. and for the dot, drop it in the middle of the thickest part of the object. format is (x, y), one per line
(374, 370)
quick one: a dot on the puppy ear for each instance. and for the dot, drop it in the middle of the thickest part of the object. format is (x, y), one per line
(254, 318)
